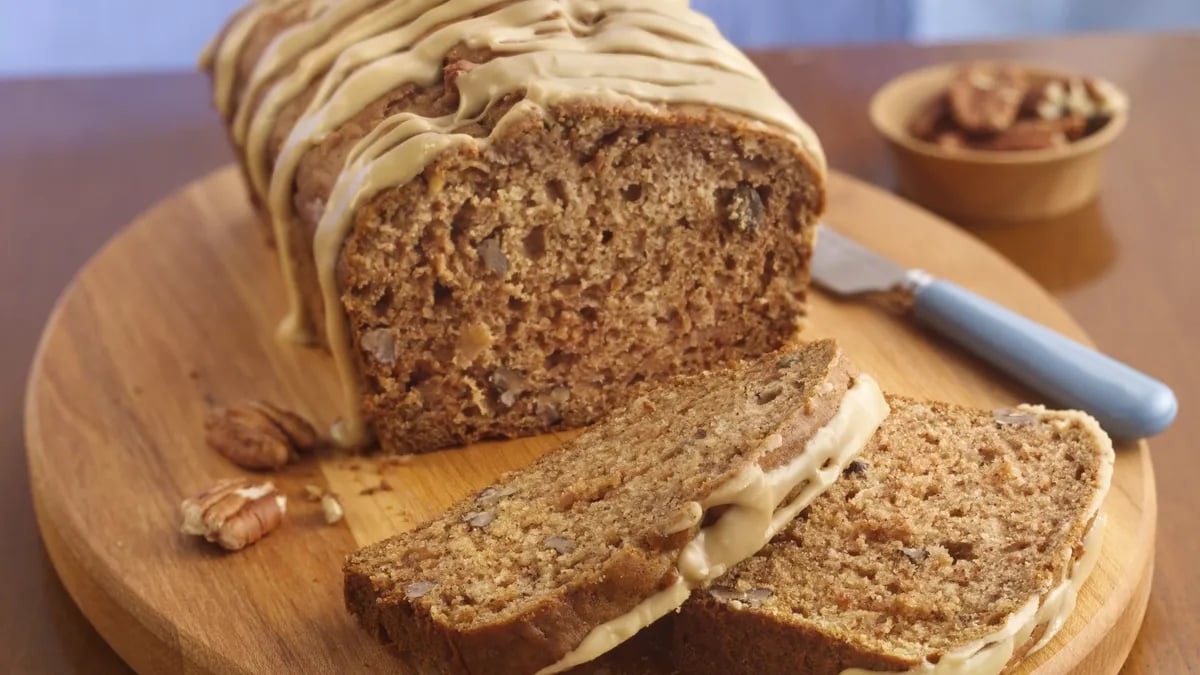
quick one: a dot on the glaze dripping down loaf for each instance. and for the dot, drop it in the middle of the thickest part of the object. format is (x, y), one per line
(498, 216)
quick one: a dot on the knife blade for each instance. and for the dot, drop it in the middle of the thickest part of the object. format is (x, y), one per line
(1128, 403)
(845, 267)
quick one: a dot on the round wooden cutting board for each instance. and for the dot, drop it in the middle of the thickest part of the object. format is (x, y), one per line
(178, 313)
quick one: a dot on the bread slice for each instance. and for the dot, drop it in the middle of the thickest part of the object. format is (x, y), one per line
(559, 562)
(959, 538)
(500, 216)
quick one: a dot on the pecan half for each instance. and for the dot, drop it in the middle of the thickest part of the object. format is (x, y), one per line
(986, 99)
(234, 513)
(257, 435)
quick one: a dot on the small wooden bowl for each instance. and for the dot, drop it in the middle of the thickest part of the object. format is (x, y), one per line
(984, 186)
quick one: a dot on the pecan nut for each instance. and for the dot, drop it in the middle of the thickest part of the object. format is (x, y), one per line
(234, 513)
(550, 406)
(746, 209)
(509, 384)
(753, 597)
(930, 121)
(492, 255)
(1035, 134)
(257, 435)
(560, 544)
(380, 344)
(331, 508)
(986, 99)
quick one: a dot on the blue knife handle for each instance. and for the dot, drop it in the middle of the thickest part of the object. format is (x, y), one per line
(1128, 404)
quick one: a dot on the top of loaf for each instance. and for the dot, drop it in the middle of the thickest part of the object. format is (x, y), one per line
(647, 51)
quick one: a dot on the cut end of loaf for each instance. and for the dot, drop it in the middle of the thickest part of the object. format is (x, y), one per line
(946, 526)
(516, 576)
(530, 285)
(624, 202)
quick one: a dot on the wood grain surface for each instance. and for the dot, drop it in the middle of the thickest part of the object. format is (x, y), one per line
(176, 314)
(79, 158)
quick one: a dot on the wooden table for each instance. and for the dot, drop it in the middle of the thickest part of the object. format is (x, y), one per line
(80, 158)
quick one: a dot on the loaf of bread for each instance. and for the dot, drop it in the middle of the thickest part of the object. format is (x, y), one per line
(559, 562)
(957, 538)
(498, 216)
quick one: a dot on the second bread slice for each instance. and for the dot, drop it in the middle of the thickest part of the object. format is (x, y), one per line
(956, 543)
(560, 562)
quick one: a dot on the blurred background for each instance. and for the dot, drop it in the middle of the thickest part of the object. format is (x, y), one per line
(49, 37)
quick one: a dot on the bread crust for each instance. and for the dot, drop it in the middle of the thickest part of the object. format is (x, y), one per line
(712, 638)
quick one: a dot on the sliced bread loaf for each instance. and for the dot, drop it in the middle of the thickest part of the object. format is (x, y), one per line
(500, 214)
(560, 562)
(955, 543)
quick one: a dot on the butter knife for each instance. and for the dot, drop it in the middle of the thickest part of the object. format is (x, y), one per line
(1129, 404)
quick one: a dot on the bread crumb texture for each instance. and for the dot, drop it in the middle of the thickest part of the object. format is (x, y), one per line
(528, 285)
